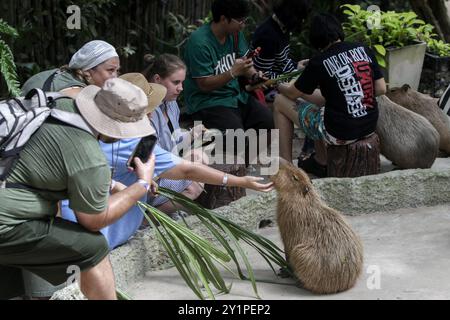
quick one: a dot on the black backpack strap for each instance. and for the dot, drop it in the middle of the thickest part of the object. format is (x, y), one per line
(48, 83)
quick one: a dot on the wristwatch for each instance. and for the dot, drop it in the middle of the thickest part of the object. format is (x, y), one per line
(144, 183)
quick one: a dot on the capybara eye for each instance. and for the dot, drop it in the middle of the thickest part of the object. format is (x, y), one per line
(295, 178)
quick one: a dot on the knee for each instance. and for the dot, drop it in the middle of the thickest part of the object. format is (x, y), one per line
(193, 191)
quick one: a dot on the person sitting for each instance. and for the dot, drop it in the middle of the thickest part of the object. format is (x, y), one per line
(344, 110)
(96, 62)
(215, 58)
(167, 166)
(63, 162)
(170, 71)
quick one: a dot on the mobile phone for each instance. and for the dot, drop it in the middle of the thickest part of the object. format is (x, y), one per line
(143, 150)
(253, 53)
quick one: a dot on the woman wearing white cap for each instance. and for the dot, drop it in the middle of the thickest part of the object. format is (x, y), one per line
(96, 62)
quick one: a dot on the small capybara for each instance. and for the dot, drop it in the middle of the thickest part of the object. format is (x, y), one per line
(427, 107)
(323, 251)
(406, 138)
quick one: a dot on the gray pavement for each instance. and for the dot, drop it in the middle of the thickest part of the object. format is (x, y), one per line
(406, 257)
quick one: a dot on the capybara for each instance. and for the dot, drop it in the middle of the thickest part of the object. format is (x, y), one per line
(427, 107)
(406, 138)
(323, 251)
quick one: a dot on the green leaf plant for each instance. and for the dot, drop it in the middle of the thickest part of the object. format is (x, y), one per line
(381, 30)
(7, 65)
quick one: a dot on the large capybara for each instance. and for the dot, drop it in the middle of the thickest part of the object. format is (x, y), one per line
(406, 138)
(323, 251)
(427, 107)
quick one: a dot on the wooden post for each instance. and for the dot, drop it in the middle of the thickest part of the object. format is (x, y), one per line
(360, 158)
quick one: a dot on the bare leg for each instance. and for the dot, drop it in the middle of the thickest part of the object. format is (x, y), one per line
(285, 115)
(98, 282)
(192, 192)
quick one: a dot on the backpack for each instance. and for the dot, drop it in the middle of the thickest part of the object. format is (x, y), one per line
(444, 101)
(21, 117)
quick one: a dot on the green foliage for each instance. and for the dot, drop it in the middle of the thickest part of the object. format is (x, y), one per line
(7, 65)
(381, 30)
(180, 29)
(438, 47)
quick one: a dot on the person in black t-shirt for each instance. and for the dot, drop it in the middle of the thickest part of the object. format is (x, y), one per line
(344, 110)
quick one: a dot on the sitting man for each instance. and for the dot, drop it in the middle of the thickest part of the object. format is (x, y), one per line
(215, 58)
(63, 162)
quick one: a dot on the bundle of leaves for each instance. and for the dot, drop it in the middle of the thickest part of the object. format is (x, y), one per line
(196, 259)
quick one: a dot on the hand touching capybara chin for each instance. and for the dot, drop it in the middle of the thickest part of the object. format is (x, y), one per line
(427, 107)
(324, 252)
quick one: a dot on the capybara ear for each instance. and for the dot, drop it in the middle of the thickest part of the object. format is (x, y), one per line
(305, 191)
(406, 87)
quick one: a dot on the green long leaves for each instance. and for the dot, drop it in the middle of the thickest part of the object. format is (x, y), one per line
(192, 255)
(227, 233)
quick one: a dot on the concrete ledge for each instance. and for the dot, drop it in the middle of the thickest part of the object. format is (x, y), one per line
(352, 196)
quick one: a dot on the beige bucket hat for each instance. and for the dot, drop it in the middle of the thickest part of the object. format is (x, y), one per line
(117, 110)
(155, 92)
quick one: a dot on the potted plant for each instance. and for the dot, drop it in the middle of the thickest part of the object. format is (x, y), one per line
(435, 75)
(398, 40)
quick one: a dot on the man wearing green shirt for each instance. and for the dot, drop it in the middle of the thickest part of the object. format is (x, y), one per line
(63, 162)
(215, 58)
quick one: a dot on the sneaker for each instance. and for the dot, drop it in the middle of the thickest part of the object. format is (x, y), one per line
(310, 165)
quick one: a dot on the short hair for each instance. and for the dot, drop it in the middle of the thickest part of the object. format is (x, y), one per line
(230, 9)
(292, 12)
(325, 29)
(164, 65)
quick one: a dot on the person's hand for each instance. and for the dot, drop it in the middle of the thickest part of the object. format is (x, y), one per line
(241, 67)
(253, 183)
(145, 171)
(302, 64)
(197, 131)
(153, 188)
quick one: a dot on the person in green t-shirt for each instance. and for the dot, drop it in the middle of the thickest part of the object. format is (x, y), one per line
(63, 162)
(215, 57)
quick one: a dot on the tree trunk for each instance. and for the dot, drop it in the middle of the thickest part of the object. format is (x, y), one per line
(435, 13)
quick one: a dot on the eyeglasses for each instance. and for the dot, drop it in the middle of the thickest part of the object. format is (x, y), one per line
(240, 21)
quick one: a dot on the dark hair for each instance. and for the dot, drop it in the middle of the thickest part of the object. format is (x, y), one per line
(325, 29)
(230, 9)
(292, 12)
(164, 65)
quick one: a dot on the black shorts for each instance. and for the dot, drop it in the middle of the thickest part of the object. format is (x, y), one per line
(48, 249)
(252, 115)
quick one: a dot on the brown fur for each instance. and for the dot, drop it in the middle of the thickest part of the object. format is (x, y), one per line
(406, 138)
(427, 107)
(322, 249)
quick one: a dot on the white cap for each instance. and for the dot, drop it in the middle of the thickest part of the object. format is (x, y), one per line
(92, 54)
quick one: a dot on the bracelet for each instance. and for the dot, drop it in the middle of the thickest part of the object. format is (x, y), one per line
(225, 180)
(232, 75)
(144, 183)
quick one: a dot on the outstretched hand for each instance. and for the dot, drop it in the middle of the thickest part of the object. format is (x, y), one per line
(253, 183)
